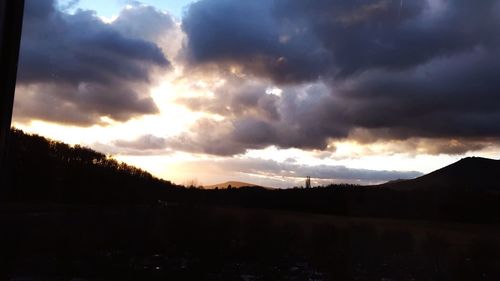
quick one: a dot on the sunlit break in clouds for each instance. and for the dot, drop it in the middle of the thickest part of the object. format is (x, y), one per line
(266, 92)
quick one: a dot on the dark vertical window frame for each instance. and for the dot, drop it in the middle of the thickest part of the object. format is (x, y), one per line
(11, 19)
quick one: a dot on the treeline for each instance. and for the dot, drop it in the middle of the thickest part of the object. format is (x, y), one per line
(460, 205)
(43, 170)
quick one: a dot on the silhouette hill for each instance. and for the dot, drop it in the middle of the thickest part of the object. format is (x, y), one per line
(45, 170)
(233, 184)
(471, 173)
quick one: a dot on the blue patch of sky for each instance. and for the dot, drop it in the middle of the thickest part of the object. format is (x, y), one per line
(110, 8)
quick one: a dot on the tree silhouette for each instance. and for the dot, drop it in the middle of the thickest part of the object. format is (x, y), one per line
(44, 170)
(47, 170)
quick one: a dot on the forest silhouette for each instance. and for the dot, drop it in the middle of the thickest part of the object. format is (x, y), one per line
(76, 214)
(44, 170)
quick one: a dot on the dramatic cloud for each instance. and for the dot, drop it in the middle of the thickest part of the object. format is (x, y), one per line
(247, 33)
(449, 97)
(381, 77)
(300, 40)
(257, 116)
(75, 68)
(424, 70)
(370, 144)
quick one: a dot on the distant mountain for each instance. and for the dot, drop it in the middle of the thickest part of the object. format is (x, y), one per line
(468, 173)
(233, 184)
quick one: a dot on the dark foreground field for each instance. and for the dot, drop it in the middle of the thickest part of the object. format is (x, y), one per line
(208, 243)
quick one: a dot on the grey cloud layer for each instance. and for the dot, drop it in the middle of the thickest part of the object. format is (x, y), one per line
(248, 33)
(76, 68)
(426, 70)
(145, 145)
(144, 142)
(270, 168)
(300, 40)
(256, 118)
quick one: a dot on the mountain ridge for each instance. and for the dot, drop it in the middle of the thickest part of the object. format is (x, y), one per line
(467, 173)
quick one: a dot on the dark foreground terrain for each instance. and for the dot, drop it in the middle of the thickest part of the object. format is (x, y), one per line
(71, 213)
(208, 243)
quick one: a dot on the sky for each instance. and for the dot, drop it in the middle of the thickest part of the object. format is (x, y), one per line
(266, 92)
(109, 9)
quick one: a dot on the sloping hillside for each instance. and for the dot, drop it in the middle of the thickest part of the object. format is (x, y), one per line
(232, 184)
(45, 170)
(468, 173)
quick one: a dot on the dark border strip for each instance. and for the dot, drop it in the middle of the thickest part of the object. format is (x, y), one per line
(11, 19)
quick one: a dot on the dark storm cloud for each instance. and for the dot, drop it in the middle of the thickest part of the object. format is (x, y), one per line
(453, 98)
(362, 35)
(449, 97)
(247, 33)
(427, 69)
(79, 68)
(295, 40)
